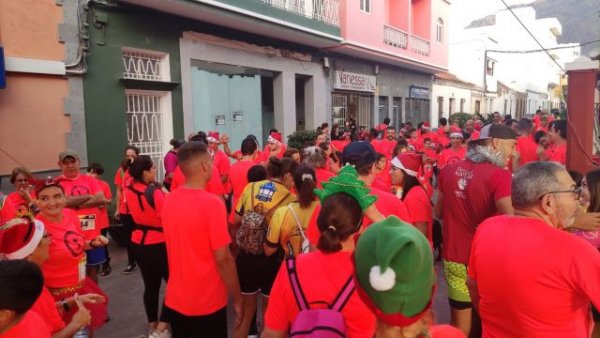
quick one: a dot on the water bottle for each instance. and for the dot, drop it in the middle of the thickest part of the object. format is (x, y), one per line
(84, 332)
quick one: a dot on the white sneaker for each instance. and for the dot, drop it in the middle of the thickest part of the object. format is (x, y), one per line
(158, 334)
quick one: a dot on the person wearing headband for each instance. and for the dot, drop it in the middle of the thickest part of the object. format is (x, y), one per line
(455, 153)
(27, 239)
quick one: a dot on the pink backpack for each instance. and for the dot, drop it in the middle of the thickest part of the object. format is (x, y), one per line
(318, 323)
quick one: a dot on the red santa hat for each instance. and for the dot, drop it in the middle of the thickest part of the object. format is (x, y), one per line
(455, 129)
(213, 136)
(410, 163)
(426, 125)
(275, 137)
(20, 237)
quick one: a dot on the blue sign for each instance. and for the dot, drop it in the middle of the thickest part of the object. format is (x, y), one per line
(2, 70)
(420, 93)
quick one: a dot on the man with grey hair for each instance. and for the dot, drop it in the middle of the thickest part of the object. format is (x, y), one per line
(469, 191)
(527, 276)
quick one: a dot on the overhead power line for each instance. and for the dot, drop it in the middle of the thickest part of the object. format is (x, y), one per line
(542, 50)
(531, 34)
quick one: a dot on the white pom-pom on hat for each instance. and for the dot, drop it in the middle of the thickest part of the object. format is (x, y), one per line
(382, 281)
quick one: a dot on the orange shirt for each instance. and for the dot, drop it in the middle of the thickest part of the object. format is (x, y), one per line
(80, 186)
(66, 265)
(148, 216)
(45, 306)
(30, 326)
(21, 206)
(192, 234)
(321, 278)
(103, 222)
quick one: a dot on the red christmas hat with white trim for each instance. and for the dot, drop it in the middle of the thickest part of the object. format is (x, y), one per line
(19, 237)
(410, 163)
(213, 136)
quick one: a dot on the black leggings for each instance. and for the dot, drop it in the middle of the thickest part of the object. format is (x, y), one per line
(128, 224)
(213, 325)
(152, 259)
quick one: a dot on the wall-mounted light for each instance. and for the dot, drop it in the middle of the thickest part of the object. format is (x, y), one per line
(376, 69)
(326, 62)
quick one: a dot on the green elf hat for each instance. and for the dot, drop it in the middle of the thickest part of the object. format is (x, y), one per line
(394, 271)
(347, 181)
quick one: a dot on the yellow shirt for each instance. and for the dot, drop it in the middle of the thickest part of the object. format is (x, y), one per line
(267, 195)
(283, 227)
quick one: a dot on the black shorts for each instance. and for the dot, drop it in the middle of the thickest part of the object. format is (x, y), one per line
(257, 272)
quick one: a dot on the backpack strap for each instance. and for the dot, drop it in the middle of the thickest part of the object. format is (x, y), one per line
(149, 194)
(290, 263)
(139, 195)
(252, 196)
(297, 222)
(344, 295)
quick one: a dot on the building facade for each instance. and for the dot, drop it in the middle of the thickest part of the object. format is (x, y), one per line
(453, 95)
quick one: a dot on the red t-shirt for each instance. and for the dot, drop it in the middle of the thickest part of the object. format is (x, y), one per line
(148, 216)
(415, 144)
(214, 184)
(475, 135)
(420, 209)
(321, 276)
(527, 149)
(193, 233)
(323, 175)
(449, 156)
(221, 162)
(431, 136)
(386, 147)
(387, 203)
(20, 205)
(533, 280)
(238, 175)
(470, 191)
(559, 154)
(30, 326)
(266, 154)
(7, 210)
(103, 222)
(122, 179)
(339, 145)
(80, 186)
(45, 307)
(66, 265)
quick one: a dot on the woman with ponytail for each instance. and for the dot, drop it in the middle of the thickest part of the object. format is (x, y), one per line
(324, 273)
(289, 223)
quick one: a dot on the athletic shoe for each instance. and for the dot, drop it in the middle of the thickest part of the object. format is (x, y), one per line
(106, 269)
(129, 269)
(158, 334)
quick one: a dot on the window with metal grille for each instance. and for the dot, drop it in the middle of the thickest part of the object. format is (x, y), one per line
(147, 65)
(149, 124)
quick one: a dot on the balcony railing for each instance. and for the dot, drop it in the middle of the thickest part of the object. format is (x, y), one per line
(419, 45)
(326, 11)
(394, 37)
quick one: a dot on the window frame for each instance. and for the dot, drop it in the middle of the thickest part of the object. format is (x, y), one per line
(365, 6)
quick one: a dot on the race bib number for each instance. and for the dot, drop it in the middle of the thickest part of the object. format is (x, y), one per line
(81, 267)
(88, 222)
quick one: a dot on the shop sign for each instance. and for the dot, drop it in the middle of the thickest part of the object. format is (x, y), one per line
(419, 93)
(353, 81)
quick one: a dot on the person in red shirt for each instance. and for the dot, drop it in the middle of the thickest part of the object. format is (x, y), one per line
(96, 170)
(470, 129)
(201, 267)
(145, 200)
(526, 150)
(455, 153)
(403, 304)
(380, 128)
(239, 171)
(548, 276)
(21, 283)
(7, 209)
(470, 191)
(23, 198)
(85, 197)
(23, 238)
(557, 135)
(64, 271)
(213, 186)
(339, 145)
(414, 141)
(275, 147)
(383, 180)
(405, 170)
(426, 132)
(122, 180)
(323, 274)
(220, 159)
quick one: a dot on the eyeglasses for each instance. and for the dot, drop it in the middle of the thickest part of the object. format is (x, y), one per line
(575, 191)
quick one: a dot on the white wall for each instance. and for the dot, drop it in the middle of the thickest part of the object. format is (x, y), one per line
(447, 92)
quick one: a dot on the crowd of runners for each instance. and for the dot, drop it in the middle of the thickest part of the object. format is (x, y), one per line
(337, 239)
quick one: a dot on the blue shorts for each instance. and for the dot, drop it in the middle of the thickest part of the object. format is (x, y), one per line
(95, 256)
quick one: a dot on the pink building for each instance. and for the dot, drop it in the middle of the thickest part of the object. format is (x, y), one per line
(396, 45)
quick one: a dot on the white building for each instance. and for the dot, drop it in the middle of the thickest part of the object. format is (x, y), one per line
(474, 57)
(451, 95)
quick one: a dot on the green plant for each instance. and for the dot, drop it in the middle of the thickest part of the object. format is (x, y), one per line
(460, 118)
(302, 138)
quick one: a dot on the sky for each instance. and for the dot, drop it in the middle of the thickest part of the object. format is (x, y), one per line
(462, 12)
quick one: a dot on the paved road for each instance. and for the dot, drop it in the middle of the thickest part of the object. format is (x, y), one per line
(126, 309)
